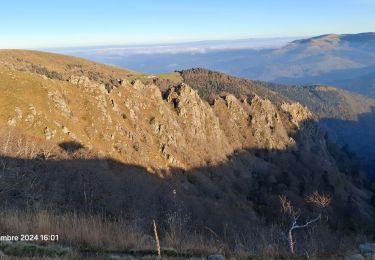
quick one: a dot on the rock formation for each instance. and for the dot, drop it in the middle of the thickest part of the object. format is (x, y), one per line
(136, 123)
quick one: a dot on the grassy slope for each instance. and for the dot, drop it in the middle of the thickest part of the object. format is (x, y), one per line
(25, 91)
(63, 65)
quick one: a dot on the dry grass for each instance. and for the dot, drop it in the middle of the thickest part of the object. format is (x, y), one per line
(173, 76)
(73, 229)
(62, 64)
(100, 234)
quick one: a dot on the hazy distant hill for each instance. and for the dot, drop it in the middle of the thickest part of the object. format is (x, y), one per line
(345, 61)
(328, 59)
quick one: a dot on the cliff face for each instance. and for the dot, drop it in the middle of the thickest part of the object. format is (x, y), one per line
(137, 124)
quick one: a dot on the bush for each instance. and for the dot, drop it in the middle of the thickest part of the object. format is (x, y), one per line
(43, 71)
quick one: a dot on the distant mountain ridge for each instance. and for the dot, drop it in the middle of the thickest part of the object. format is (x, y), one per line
(346, 61)
(359, 39)
(327, 59)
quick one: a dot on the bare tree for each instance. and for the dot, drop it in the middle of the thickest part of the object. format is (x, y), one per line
(294, 214)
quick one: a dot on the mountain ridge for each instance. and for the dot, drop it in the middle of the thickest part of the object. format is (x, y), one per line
(325, 102)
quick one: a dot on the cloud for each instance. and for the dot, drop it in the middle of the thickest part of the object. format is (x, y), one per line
(176, 48)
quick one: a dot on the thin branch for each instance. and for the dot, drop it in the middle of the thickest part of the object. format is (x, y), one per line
(307, 223)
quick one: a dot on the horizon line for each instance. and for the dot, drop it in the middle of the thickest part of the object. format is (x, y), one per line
(173, 42)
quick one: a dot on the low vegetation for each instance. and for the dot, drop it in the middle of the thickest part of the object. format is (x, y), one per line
(100, 235)
(45, 72)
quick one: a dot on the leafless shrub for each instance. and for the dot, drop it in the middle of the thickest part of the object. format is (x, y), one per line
(294, 214)
(318, 200)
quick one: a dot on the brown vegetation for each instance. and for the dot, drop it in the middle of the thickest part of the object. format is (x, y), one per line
(98, 234)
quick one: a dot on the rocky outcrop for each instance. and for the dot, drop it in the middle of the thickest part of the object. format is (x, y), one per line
(366, 251)
(60, 103)
(298, 113)
(234, 120)
(354, 257)
(137, 124)
(216, 257)
(86, 83)
(199, 123)
(267, 127)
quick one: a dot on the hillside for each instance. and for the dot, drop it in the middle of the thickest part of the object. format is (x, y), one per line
(189, 155)
(322, 43)
(324, 101)
(327, 101)
(338, 60)
(347, 117)
(61, 67)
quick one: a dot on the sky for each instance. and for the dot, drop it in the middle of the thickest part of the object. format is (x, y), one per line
(43, 24)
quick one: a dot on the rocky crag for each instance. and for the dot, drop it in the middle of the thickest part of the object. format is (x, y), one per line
(137, 123)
